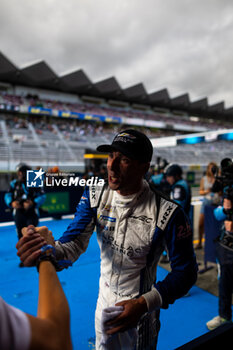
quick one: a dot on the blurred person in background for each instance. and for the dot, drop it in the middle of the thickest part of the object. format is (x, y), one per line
(206, 185)
(24, 201)
(159, 180)
(180, 190)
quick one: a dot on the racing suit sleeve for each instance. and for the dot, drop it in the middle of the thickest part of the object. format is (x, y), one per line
(183, 275)
(75, 239)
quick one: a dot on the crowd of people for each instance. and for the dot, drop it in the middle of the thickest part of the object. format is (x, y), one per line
(137, 216)
(107, 110)
(72, 129)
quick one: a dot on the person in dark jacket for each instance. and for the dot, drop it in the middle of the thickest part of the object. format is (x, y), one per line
(24, 201)
(180, 190)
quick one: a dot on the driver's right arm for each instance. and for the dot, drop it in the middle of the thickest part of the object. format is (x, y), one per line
(73, 242)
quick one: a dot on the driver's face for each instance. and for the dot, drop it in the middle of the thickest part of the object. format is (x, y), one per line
(125, 174)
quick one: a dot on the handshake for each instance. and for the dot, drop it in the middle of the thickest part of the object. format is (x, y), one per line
(29, 246)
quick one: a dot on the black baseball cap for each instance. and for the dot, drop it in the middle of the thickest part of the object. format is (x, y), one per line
(23, 168)
(132, 143)
(173, 170)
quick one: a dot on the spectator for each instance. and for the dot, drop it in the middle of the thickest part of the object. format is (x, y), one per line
(24, 201)
(206, 184)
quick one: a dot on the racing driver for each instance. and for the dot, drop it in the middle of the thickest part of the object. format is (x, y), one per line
(134, 224)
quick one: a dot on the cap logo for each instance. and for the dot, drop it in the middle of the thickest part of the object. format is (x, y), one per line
(124, 137)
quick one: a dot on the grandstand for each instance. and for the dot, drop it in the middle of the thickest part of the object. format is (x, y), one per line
(44, 144)
(46, 119)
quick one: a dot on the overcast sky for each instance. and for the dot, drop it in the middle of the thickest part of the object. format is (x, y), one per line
(182, 45)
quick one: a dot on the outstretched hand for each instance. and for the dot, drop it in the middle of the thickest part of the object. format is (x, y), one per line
(130, 316)
(43, 232)
(29, 246)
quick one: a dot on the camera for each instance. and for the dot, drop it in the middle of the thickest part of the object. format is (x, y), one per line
(224, 181)
(20, 195)
(22, 199)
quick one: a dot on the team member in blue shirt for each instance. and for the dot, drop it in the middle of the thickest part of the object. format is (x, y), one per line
(180, 190)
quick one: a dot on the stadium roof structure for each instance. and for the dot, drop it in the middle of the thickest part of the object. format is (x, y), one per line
(109, 87)
(200, 105)
(136, 93)
(40, 75)
(180, 101)
(76, 82)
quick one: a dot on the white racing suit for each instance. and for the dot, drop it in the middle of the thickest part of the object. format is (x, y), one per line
(132, 233)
